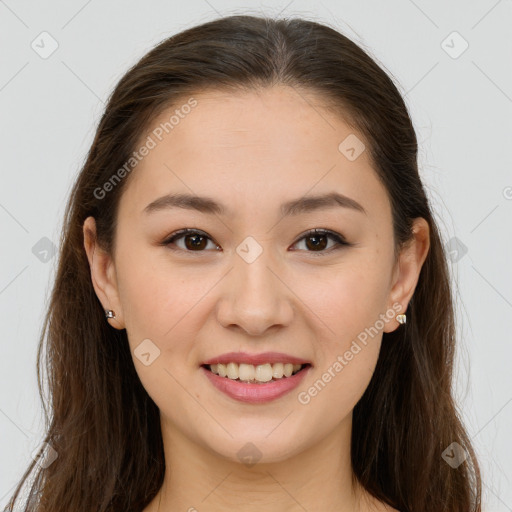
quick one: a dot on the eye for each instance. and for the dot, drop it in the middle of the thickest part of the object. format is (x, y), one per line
(319, 238)
(196, 240)
(193, 239)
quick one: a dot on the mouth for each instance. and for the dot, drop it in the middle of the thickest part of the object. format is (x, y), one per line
(256, 374)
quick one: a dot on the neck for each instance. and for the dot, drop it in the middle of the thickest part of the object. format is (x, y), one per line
(317, 478)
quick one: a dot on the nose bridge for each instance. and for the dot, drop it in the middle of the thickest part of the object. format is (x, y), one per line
(251, 266)
(254, 298)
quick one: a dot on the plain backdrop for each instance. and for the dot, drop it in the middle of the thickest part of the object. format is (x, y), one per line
(451, 60)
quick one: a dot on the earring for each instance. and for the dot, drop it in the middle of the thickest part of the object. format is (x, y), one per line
(401, 319)
(109, 313)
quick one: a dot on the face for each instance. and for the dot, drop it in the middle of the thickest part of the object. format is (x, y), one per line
(250, 278)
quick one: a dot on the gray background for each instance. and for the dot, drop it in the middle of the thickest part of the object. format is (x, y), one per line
(461, 104)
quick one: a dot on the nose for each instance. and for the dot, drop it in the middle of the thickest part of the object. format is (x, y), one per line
(255, 297)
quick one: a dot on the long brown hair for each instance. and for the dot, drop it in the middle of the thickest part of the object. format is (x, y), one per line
(103, 425)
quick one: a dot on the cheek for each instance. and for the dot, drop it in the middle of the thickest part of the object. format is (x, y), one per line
(164, 302)
(348, 352)
(158, 304)
(153, 293)
(348, 317)
(348, 300)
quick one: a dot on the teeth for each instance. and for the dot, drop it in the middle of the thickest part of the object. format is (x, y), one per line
(260, 373)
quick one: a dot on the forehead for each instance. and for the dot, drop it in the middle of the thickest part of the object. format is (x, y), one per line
(280, 120)
(246, 146)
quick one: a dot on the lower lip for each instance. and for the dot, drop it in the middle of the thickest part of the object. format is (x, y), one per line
(256, 393)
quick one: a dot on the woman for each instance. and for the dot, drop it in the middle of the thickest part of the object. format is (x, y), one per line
(252, 309)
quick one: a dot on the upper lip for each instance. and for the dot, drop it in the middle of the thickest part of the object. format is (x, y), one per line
(255, 359)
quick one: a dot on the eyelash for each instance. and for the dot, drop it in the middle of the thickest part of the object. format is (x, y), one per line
(340, 241)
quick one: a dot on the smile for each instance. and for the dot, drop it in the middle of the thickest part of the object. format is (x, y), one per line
(288, 376)
(255, 373)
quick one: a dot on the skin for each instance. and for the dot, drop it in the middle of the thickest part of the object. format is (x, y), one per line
(251, 152)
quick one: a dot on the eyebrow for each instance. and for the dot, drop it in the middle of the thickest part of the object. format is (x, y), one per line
(295, 207)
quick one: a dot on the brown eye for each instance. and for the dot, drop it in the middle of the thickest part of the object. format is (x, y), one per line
(194, 241)
(317, 240)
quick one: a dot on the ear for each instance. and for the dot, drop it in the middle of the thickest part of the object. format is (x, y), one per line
(408, 267)
(103, 274)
